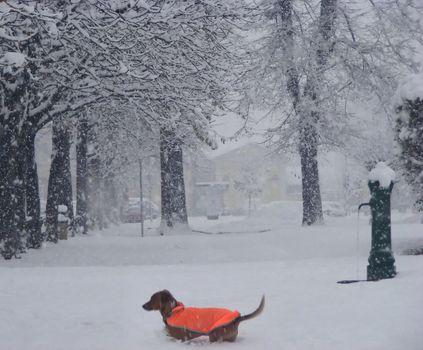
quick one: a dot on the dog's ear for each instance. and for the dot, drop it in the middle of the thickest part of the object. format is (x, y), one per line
(166, 297)
(167, 302)
(165, 291)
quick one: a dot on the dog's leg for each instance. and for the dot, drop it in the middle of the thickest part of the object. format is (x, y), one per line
(231, 336)
(226, 333)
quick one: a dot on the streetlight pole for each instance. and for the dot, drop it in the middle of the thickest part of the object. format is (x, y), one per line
(141, 201)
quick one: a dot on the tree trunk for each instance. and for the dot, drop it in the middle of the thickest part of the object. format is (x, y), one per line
(94, 214)
(9, 235)
(19, 163)
(100, 205)
(312, 202)
(172, 180)
(166, 211)
(82, 175)
(326, 31)
(12, 201)
(14, 155)
(32, 195)
(59, 182)
(286, 29)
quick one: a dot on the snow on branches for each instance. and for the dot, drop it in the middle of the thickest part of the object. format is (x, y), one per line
(372, 44)
(172, 62)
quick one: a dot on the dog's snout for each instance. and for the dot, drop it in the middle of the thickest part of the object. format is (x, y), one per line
(146, 307)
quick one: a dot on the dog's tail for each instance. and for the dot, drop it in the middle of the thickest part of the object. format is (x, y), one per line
(254, 313)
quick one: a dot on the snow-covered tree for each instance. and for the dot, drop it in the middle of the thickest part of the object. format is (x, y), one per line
(192, 53)
(48, 69)
(27, 35)
(171, 60)
(316, 59)
(409, 127)
(175, 61)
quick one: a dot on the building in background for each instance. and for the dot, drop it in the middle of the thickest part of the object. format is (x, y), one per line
(252, 176)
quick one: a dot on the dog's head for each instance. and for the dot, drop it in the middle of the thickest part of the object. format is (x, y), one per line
(162, 301)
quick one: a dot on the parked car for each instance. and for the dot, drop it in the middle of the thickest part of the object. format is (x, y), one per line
(333, 209)
(133, 213)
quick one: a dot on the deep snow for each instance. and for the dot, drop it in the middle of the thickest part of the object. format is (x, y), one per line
(87, 292)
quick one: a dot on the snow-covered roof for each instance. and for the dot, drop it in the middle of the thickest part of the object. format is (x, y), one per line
(411, 89)
(382, 173)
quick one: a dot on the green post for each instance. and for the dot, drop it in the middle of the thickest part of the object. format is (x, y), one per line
(381, 259)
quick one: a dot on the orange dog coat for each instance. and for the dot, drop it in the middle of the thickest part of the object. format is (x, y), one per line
(202, 320)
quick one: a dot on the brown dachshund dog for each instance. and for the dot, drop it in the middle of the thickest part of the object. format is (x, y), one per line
(189, 323)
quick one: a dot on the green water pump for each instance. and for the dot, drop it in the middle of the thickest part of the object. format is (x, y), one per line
(381, 259)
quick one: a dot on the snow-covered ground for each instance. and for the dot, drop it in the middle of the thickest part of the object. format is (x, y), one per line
(87, 292)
